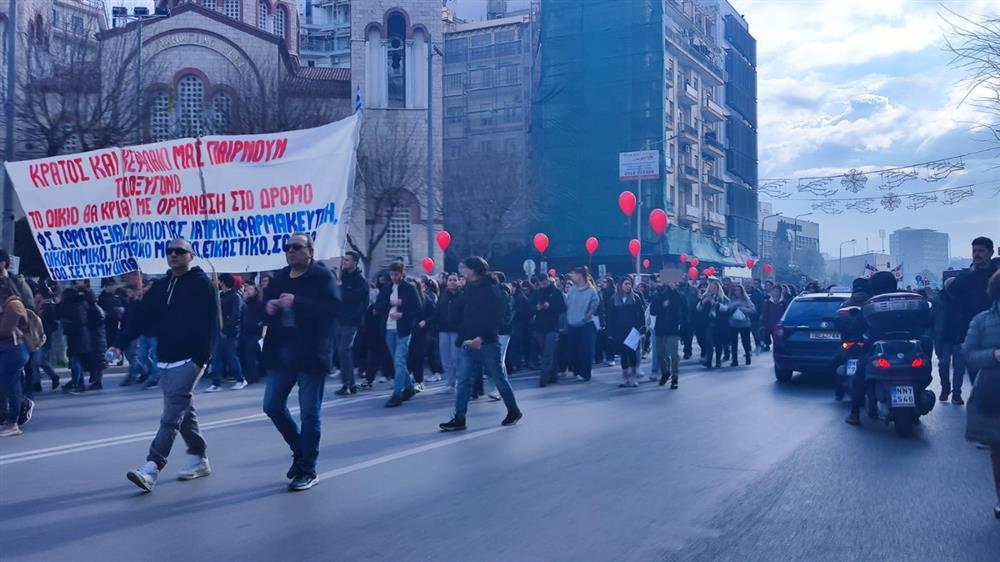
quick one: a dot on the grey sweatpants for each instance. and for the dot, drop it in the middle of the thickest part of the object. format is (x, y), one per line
(178, 414)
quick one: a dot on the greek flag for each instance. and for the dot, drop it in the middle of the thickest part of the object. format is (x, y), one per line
(358, 104)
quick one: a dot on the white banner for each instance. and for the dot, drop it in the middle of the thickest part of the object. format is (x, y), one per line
(236, 198)
(639, 165)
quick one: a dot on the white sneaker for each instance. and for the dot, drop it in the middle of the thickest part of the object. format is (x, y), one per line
(495, 396)
(197, 467)
(611, 363)
(434, 378)
(335, 373)
(10, 430)
(145, 476)
(240, 385)
(419, 387)
(214, 388)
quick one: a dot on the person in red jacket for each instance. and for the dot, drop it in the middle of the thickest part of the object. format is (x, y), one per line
(774, 309)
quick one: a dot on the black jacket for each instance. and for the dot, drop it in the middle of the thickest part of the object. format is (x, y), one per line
(253, 319)
(669, 316)
(447, 311)
(82, 322)
(547, 320)
(411, 307)
(481, 312)
(506, 310)
(623, 316)
(232, 313)
(182, 313)
(353, 299)
(48, 311)
(307, 346)
(969, 297)
(524, 312)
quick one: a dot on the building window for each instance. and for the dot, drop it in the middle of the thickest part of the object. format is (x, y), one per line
(262, 11)
(232, 9)
(397, 234)
(507, 75)
(159, 117)
(454, 84)
(191, 106)
(279, 22)
(222, 107)
(485, 147)
(396, 63)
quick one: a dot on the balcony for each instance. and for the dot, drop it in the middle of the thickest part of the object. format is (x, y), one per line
(689, 94)
(712, 111)
(690, 213)
(712, 146)
(716, 183)
(689, 174)
(668, 75)
(717, 220)
(688, 133)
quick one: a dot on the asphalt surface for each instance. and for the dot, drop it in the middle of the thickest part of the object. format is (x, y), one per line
(731, 466)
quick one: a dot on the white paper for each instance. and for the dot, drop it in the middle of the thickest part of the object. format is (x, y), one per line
(261, 344)
(633, 339)
(597, 323)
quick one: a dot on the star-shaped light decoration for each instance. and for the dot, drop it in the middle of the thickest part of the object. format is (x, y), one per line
(854, 181)
(891, 202)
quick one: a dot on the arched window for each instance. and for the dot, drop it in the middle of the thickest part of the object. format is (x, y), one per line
(232, 9)
(262, 11)
(279, 22)
(397, 235)
(222, 107)
(191, 106)
(396, 60)
(159, 117)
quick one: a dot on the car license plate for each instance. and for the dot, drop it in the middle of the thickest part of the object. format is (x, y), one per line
(826, 336)
(902, 396)
(852, 367)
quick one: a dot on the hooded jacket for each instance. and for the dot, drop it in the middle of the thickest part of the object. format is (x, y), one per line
(182, 313)
(353, 298)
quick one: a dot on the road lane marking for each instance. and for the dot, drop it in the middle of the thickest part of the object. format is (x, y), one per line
(408, 453)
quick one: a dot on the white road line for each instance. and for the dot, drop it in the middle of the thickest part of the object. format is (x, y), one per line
(408, 452)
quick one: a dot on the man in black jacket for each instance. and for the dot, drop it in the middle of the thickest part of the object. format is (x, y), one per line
(398, 307)
(300, 303)
(670, 310)
(354, 301)
(969, 297)
(482, 313)
(226, 358)
(549, 305)
(181, 311)
(447, 325)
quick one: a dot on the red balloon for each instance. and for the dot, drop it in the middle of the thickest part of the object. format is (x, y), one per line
(626, 202)
(750, 264)
(710, 271)
(693, 273)
(552, 273)
(645, 264)
(591, 245)
(443, 240)
(541, 243)
(684, 258)
(659, 221)
(428, 264)
(768, 268)
(633, 247)
(694, 262)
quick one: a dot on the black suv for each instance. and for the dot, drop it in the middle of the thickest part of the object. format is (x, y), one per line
(807, 339)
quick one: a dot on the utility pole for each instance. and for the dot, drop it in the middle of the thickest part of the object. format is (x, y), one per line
(7, 231)
(430, 149)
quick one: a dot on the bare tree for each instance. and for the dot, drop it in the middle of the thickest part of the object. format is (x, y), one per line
(284, 103)
(76, 93)
(488, 199)
(391, 177)
(975, 46)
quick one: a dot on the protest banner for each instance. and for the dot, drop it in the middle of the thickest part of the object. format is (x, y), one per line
(237, 199)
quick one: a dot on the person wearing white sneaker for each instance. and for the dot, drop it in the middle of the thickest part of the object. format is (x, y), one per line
(197, 467)
(13, 355)
(213, 388)
(239, 385)
(226, 359)
(181, 311)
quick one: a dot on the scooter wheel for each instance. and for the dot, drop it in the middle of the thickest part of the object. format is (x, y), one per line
(905, 420)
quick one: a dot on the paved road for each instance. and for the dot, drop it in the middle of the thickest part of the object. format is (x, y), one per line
(729, 467)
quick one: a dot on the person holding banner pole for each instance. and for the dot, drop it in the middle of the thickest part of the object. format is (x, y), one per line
(181, 312)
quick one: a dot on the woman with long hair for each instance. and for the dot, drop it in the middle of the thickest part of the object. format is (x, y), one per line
(712, 305)
(626, 312)
(582, 304)
(740, 312)
(13, 355)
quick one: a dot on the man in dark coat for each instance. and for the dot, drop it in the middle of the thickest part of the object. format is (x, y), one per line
(398, 306)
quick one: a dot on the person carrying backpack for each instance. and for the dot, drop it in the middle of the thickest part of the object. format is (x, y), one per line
(13, 355)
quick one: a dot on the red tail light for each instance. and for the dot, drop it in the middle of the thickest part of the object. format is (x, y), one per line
(918, 363)
(882, 363)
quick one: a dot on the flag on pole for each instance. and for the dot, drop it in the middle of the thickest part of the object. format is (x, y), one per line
(358, 104)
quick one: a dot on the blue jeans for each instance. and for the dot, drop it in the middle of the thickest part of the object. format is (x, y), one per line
(226, 358)
(12, 361)
(581, 349)
(42, 362)
(305, 443)
(487, 358)
(77, 367)
(399, 347)
(449, 355)
(145, 353)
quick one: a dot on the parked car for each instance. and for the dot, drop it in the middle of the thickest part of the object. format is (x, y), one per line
(807, 339)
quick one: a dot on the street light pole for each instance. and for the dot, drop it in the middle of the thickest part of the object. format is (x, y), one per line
(795, 242)
(840, 262)
(430, 149)
(762, 221)
(7, 229)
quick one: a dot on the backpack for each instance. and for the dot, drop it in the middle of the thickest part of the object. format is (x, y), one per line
(34, 336)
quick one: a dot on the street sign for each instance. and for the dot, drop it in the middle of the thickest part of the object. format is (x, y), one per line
(639, 165)
(529, 267)
(14, 265)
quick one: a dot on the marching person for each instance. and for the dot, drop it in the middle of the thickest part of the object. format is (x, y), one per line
(669, 308)
(625, 312)
(13, 355)
(968, 293)
(181, 311)
(447, 326)
(398, 306)
(300, 302)
(550, 304)
(481, 314)
(582, 304)
(354, 301)
(226, 359)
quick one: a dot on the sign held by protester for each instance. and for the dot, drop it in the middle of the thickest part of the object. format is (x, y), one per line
(237, 199)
